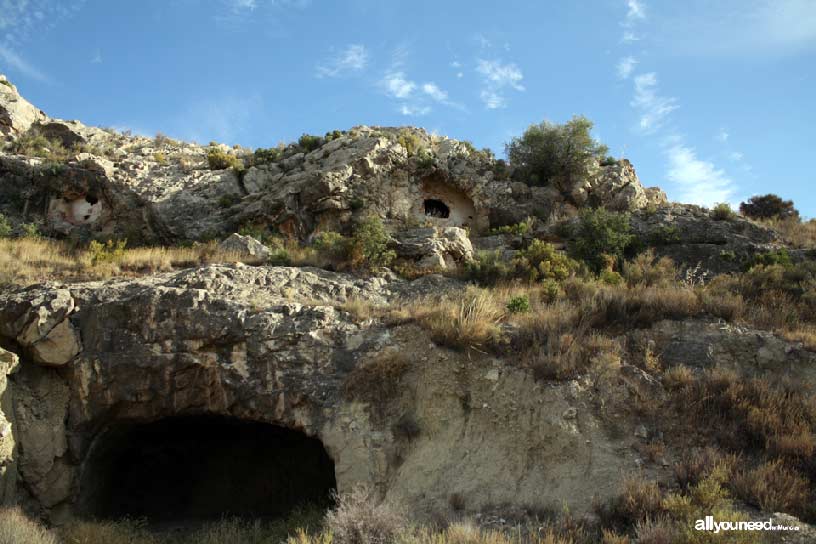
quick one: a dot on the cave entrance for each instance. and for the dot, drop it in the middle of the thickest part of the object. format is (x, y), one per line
(436, 208)
(201, 468)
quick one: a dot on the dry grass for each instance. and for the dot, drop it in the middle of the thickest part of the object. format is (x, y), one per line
(773, 487)
(377, 381)
(17, 528)
(470, 320)
(25, 261)
(801, 234)
(359, 518)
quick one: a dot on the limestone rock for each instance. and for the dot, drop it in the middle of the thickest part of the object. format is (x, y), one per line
(245, 245)
(16, 113)
(434, 248)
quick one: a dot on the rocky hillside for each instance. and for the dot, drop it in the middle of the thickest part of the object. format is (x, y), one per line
(400, 312)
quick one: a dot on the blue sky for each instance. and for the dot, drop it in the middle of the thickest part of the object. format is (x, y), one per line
(712, 101)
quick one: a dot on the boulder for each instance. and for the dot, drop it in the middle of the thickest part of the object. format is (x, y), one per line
(245, 245)
(434, 247)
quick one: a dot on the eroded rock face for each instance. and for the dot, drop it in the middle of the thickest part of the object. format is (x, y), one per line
(154, 190)
(239, 341)
(434, 248)
(16, 113)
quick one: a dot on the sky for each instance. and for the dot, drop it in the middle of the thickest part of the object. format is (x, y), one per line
(711, 101)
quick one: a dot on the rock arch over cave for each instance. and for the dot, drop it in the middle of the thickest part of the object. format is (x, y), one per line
(445, 205)
(202, 468)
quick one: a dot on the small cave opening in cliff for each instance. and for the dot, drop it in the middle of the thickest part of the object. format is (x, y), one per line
(436, 208)
(202, 468)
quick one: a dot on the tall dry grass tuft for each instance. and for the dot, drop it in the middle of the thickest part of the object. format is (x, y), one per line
(17, 528)
(470, 320)
(359, 518)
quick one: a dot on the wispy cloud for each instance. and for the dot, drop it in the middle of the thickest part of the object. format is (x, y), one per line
(497, 77)
(433, 91)
(18, 63)
(635, 11)
(699, 181)
(351, 59)
(412, 110)
(652, 107)
(397, 85)
(736, 156)
(722, 135)
(755, 28)
(97, 58)
(23, 20)
(626, 66)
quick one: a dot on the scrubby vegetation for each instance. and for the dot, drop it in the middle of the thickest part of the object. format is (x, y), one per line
(768, 206)
(551, 154)
(218, 159)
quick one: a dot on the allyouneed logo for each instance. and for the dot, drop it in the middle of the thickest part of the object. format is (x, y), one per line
(708, 524)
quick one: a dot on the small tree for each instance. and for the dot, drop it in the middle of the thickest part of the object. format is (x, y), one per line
(370, 244)
(550, 153)
(768, 206)
(601, 237)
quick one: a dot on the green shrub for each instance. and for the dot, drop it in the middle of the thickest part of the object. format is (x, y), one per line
(540, 261)
(5, 82)
(500, 170)
(370, 244)
(410, 141)
(609, 160)
(32, 143)
(780, 257)
(221, 160)
(425, 160)
(333, 135)
(548, 153)
(30, 230)
(600, 235)
(108, 252)
(267, 155)
(5, 227)
(518, 305)
(665, 235)
(160, 158)
(768, 206)
(519, 229)
(722, 212)
(333, 245)
(309, 143)
(610, 277)
(550, 289)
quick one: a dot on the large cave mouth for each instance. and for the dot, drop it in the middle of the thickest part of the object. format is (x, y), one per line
(203, 468)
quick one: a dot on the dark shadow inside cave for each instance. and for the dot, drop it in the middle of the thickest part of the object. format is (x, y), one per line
(436, 208)
(202, 468)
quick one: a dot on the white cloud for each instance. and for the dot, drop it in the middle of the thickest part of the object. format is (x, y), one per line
(433, 90)
(653, 108)
(635, 11)
(629, 37)
(492, 100)
(500, 74)
(354, 58)
(626, 66)
(722, 135)
(407, 109)
(223, 119)
(11, 59)
(397, 85)
(736, 156)
(496, 77)
(243, 4)
(699, 181)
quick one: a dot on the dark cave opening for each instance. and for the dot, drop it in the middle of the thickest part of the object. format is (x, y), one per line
(203, 468)
(436, 208)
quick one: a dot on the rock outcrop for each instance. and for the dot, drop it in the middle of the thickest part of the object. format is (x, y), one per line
(154, 190)
(274, 345)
